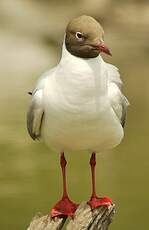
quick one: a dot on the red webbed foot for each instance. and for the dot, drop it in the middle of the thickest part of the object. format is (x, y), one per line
(96, 201)
(64, 207)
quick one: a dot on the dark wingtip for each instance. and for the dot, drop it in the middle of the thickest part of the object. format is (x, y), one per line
(30, 93)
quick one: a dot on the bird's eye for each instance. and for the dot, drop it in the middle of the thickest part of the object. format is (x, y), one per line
(79, 35)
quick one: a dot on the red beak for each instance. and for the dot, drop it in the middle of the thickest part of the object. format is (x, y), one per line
(103, 48)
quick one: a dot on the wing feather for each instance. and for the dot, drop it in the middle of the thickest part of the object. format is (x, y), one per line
(118, 101)
(35, 115)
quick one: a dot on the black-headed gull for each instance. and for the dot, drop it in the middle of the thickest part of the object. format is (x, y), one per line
(78, 105)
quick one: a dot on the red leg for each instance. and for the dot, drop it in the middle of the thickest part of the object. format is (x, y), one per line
(96, 201)
(64, 207)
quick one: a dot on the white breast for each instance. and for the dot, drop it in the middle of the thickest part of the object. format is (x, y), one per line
(78, 115)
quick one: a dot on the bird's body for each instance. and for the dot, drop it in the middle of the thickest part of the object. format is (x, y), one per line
(78, 105)
(78, 114)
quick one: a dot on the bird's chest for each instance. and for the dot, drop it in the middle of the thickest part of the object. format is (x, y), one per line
(74, 95)
(75, 109)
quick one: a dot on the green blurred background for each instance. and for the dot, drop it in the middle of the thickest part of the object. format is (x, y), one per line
(31, 34)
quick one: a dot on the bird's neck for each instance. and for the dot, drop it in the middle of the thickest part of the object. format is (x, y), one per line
(67, 57)
(82, 75)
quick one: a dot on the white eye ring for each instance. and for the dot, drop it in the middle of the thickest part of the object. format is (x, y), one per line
(79, 35)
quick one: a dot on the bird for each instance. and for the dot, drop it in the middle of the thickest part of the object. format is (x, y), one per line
(78, 105)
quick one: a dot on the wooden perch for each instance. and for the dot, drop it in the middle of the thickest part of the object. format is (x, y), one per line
(85, 218)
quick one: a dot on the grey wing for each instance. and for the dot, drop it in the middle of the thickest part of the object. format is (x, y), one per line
(35, 115)
(118, 101)
(124, 105)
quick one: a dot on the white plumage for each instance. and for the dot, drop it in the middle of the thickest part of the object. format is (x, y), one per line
(78, 105)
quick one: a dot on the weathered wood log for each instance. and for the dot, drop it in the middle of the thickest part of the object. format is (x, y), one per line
(85, 218)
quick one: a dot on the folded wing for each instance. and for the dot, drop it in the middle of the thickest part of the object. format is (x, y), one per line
(118, 101)
(35, 115)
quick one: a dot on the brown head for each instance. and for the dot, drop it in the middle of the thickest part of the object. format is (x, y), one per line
(84, 38)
